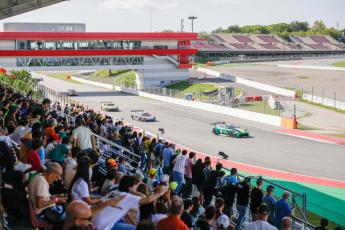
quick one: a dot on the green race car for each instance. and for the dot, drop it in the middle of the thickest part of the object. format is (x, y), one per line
(226, 129)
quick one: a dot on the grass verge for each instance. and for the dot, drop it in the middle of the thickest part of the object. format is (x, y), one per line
(188, 87)
(61, 76)
(259, 107)
(339, 64)
(116, 77)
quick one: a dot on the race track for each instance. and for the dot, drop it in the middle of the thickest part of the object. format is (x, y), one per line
(190, 127)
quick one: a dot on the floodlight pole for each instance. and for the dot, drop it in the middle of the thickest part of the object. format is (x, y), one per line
(192, 18)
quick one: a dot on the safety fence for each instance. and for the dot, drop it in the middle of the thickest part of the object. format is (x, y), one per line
(326, 97)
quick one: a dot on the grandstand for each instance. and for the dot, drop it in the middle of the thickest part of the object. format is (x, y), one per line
(226, 46)
(318, 42)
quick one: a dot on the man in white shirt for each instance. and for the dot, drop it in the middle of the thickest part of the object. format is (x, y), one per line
(179, 169)
(39, 195)
(82, 136)
(261, 223)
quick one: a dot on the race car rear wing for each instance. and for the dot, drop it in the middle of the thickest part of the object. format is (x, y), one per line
(218, 123)
(106, 102)
(135, 111)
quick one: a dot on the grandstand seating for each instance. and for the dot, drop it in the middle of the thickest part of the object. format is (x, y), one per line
(267, 42)
(317, 42)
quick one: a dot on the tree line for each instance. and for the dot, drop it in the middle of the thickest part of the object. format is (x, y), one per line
(285, 29)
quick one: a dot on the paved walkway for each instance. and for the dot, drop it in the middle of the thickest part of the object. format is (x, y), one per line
(315, 116)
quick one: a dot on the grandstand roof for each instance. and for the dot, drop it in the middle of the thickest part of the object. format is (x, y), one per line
(96, 36)
(9, 8)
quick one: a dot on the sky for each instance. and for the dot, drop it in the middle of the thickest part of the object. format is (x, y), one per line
(158, 15)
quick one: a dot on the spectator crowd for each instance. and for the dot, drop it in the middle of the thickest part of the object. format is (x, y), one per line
(54, 173)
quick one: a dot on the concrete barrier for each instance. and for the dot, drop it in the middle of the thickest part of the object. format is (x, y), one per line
(244, 114)
(312, 67)
(253, 84)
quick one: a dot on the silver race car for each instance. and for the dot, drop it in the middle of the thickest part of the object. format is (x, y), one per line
(109, 107)
(140, 115)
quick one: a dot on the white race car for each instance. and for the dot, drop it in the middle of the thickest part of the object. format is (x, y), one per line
(109, 107)
(71, 92)
(140, 115)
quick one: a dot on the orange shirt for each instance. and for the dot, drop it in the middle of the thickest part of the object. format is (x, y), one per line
(171, 222)
(49, 132)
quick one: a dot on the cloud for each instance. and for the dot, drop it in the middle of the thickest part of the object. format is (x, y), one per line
(109, 5)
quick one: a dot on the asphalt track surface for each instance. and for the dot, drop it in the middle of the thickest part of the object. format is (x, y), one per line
(191, 128)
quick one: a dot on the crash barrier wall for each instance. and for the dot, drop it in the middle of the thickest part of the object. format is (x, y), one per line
(253, 84)
(312, 67)
(248, 115)
(317, 206)
(324, 101)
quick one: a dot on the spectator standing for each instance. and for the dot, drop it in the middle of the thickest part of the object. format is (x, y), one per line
(197, 210)
(173, 221)
(261, 223)
(82, 136)
(243, 195)
(282, 209)
(207, 170)
(271, 202)
(232, 178)
(209, 187)
(188, 176)
(197, 174)
(167, 157)
(256, 196)
(179, 170)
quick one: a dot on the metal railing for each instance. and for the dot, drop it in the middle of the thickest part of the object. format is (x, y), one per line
(106, 147)
(298, 200)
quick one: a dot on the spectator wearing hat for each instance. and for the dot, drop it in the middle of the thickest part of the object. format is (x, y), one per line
(271, 202)
(282, 209)
(151, 180)
(173, 221)
(256, 196)
(261, 223)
